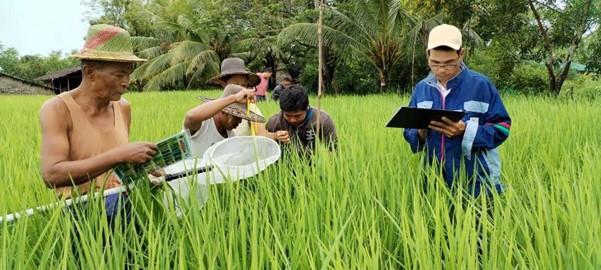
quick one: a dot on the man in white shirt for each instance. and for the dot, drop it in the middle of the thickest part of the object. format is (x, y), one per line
(214, 120)
(205, 125)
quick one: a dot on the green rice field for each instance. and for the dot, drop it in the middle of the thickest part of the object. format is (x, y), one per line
(363, 207)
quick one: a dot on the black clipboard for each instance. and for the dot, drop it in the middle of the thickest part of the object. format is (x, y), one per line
(409, 117)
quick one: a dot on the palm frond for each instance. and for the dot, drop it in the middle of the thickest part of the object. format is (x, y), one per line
(141, 43)
(152, 52)
(170, 75)
(139, 72)
(186, 50)
(208, 60)
(307, 34)
(359, 25)
(157, 65)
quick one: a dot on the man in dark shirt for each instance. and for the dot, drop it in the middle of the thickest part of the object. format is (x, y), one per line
(300, 121)
(277, 91)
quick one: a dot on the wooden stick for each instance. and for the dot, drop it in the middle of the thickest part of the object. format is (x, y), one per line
(320, 61)
(85, 197)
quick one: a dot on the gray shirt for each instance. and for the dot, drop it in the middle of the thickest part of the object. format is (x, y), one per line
(303, 136)
(275, 95)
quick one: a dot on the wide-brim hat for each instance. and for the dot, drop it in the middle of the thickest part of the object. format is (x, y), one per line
(108, 43)
(236, 109)
(234, 66)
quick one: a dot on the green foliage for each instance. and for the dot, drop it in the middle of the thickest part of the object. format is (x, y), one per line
(591, 53)
(496, 63)
(373, 30)
(562, 27)
(357, 76)
(585, 86)
(389, 35)
(529, 78)
(30, 67)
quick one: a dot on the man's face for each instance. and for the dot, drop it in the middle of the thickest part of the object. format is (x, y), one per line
(232, 122)
(295, 118)
(267, 74)
(238, 79)
(286, 84)
(112, 78)
(445, 64)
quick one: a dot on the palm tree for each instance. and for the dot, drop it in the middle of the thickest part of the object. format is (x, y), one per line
(375, 30)
(187, 49)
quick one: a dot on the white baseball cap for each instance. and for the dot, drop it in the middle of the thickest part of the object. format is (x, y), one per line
(445, 35)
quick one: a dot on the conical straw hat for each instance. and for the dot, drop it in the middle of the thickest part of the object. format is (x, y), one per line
(236, 109)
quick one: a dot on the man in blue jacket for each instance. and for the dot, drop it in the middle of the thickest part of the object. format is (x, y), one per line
(472, 141)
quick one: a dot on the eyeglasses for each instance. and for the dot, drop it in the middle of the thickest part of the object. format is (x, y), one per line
(442, 66)
(445, 65)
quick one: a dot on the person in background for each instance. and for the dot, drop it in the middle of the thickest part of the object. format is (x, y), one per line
(85, 132)
(233, 72)
(283, 85)
(261, 88)
(475, 139)
(299, 121)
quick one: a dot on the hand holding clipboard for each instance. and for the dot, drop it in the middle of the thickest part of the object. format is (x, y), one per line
(420, 118)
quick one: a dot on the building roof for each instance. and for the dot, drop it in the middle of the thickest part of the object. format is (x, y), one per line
(25, 81)
(58, 74)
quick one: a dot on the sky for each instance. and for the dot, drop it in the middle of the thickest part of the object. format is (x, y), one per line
(41, 26)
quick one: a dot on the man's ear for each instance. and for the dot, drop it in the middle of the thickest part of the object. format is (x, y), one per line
(88, 71)
(461, 54)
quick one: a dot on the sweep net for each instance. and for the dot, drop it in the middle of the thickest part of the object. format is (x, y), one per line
(240, 157)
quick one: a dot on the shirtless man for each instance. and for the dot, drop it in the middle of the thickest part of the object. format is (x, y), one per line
(85, 132)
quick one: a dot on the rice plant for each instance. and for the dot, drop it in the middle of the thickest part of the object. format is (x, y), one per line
(363, 207)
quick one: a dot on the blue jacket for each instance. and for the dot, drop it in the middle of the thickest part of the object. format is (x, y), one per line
(487, 126)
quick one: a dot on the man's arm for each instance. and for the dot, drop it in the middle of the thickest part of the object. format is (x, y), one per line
(58, 170)
(494, 129)
(200, 113)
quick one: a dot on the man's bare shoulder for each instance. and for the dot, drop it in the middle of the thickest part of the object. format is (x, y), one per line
(54, 115)
(125, 106)
(54, 106)
(124, 103)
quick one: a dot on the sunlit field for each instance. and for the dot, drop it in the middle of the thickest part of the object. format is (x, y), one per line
(362, 208)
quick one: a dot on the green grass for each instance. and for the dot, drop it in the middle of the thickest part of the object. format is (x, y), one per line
(362, 208)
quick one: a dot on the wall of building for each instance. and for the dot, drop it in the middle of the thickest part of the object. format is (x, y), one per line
(12, 86)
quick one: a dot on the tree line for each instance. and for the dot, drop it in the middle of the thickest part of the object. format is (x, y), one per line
(370, 46)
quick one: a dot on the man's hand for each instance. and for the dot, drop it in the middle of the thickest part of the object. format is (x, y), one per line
(111, 182)
(138, 152)
(282, 136)
(448, 128)
(244, 95)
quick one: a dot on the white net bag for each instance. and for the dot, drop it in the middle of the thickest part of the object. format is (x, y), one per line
(232, 159)
(239, 158)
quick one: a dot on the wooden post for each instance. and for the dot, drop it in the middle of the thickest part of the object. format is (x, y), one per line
(320, 63)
